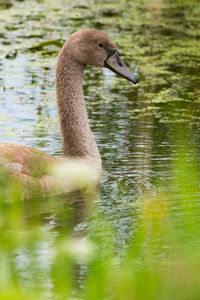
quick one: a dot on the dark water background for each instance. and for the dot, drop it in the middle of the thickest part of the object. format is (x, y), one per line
(137, 128)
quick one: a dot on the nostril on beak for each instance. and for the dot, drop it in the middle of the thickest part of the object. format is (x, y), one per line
(119, 62)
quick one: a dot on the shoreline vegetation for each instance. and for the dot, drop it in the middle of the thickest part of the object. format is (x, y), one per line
(160, 260)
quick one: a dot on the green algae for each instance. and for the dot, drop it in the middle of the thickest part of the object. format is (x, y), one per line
(159, 41)
(137, 128)
(45, 44)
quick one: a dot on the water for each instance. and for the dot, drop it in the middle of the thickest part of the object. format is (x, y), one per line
(137, 128)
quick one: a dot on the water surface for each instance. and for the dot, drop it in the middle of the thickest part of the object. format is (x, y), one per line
(137, 128)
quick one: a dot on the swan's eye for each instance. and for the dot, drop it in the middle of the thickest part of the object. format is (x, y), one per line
(101, 45)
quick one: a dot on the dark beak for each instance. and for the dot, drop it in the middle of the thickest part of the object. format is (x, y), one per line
(116, 64)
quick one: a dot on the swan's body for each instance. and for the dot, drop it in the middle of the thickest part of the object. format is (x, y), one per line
(85, 47)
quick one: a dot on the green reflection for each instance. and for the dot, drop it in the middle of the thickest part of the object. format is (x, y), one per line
(135, 129)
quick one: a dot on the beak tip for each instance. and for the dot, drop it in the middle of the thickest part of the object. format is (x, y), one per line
(133, 79)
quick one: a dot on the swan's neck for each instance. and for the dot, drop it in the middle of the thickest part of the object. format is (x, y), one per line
(78, 139)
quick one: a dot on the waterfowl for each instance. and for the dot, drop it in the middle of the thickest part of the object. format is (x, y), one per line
(82, 48)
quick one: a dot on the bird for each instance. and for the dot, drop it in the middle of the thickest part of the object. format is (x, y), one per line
(82, 48)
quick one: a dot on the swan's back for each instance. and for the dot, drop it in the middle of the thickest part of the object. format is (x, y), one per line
(25, 160)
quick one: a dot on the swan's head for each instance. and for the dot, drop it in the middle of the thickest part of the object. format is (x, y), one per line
(95, 48)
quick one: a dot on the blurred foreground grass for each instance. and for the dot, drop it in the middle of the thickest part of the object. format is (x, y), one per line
(42, 258)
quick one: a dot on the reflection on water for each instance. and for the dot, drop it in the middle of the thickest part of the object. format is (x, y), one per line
(132, 124)
(135, 127)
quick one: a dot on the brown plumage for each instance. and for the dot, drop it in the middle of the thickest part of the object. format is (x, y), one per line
(84, 47)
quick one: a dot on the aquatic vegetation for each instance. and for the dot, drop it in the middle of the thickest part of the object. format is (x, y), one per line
(142, 238)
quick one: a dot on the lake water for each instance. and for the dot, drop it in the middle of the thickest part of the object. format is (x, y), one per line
(137, 128)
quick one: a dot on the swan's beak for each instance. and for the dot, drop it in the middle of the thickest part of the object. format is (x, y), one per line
(116, 64)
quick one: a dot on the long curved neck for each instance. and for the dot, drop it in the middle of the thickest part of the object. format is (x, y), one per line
(78, 139)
